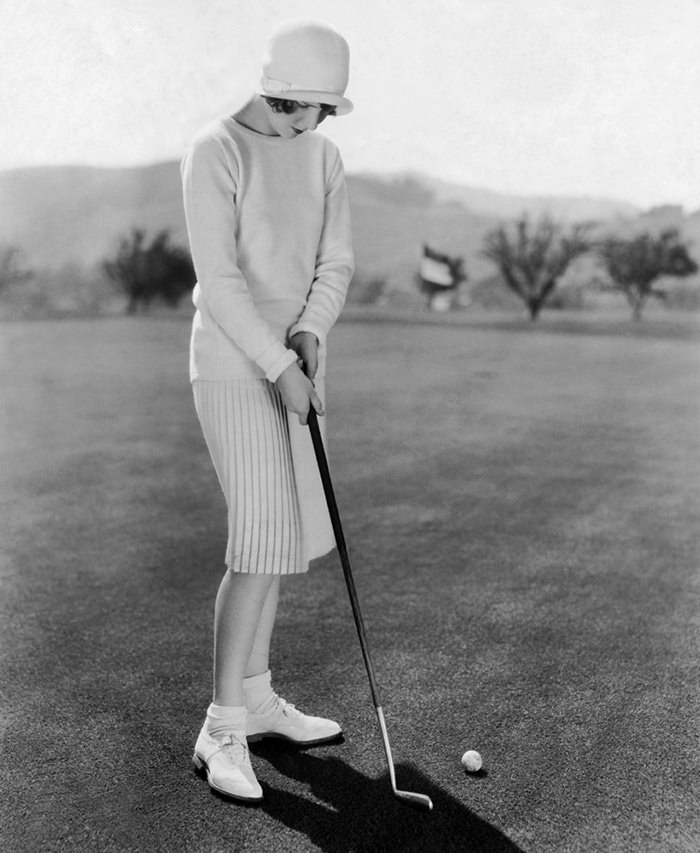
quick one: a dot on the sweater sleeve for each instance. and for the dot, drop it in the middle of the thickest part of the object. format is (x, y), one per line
(334, 262)
(209, 190)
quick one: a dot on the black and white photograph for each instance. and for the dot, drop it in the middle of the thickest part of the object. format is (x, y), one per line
(350, 426)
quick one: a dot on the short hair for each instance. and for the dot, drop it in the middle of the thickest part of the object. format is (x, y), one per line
(283, 105)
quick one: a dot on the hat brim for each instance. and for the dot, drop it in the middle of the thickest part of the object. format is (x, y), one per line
(342, 105)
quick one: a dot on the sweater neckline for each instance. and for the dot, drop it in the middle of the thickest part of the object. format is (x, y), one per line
(254, 133)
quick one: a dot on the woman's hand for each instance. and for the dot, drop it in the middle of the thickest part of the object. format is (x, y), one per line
(305, 345)
(298, 392)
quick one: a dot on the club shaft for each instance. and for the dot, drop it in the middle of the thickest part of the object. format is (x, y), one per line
(324, 471)
(387, 746)
(406, 796)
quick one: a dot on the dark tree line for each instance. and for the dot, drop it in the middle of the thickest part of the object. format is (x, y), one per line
(147, 270)
(635, 265)
(532, 257)
(12, 268)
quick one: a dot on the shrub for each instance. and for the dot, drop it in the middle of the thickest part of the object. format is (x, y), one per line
(147, 271)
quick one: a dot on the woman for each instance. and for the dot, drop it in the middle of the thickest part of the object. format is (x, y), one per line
(269, 230)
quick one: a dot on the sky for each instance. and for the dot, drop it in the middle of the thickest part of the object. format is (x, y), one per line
(546, 97)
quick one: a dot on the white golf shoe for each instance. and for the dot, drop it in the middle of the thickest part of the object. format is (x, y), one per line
(227, 764)
(280, 719)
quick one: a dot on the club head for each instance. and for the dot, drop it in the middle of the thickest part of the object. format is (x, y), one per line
(418, 801)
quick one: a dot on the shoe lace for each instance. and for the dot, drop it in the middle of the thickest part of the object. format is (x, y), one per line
(287, 708)
(234, 747)
(276, 704)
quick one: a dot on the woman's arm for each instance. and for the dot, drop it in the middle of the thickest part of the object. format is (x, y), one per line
(334, 262)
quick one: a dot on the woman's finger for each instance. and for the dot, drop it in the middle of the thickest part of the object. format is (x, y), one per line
(312, 365)
(316, 403)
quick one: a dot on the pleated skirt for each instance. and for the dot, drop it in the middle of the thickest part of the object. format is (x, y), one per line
(277, 515)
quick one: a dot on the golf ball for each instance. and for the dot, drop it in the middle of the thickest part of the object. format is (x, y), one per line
(471, 761)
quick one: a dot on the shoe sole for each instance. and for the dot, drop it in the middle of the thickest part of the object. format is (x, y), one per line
(254, 738)
(201, 767)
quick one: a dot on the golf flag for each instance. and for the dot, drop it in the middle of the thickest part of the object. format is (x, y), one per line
(435, 269)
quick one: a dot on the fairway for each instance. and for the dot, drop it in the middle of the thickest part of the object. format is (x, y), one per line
(521, 505)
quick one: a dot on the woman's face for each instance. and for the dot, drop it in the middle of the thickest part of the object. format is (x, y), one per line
(305, 117)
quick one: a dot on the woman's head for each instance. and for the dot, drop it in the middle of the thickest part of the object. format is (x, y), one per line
(290, 118)
(307, 63)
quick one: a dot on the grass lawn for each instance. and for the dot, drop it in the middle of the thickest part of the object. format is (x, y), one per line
(521, 505)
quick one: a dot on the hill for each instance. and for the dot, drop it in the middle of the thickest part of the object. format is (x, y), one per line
(75, 214)
(60, 214)
(503, 206)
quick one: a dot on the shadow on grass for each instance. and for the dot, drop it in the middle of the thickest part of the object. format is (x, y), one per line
(347, 811)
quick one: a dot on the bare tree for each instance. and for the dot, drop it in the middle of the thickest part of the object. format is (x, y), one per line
(532, 257)
(145, 271)
(12, 270)
(634, 265)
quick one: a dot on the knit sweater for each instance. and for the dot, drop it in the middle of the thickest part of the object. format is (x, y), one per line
(269, 231)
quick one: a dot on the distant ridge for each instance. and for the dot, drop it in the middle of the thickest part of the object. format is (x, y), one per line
(74, 213)
(569, 208)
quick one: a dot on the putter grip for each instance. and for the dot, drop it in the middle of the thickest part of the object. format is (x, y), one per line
(323, 470)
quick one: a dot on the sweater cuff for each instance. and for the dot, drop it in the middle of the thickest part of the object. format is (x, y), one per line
(275, 360)
(307, 326)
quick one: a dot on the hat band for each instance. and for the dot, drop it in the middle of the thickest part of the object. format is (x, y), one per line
(278, 87)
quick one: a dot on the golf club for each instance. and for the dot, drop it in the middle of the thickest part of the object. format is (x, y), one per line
(420, 800)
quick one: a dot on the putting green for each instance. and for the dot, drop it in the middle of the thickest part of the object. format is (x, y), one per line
(521, 508)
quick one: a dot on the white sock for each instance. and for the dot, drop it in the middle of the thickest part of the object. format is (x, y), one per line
(259, 695)
(225, 719)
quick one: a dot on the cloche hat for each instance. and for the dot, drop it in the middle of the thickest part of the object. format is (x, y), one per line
(307, 60)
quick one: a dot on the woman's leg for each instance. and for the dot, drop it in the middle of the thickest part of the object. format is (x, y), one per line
(259, 660)
(242, 607)
(221, 749)
(268, 714)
